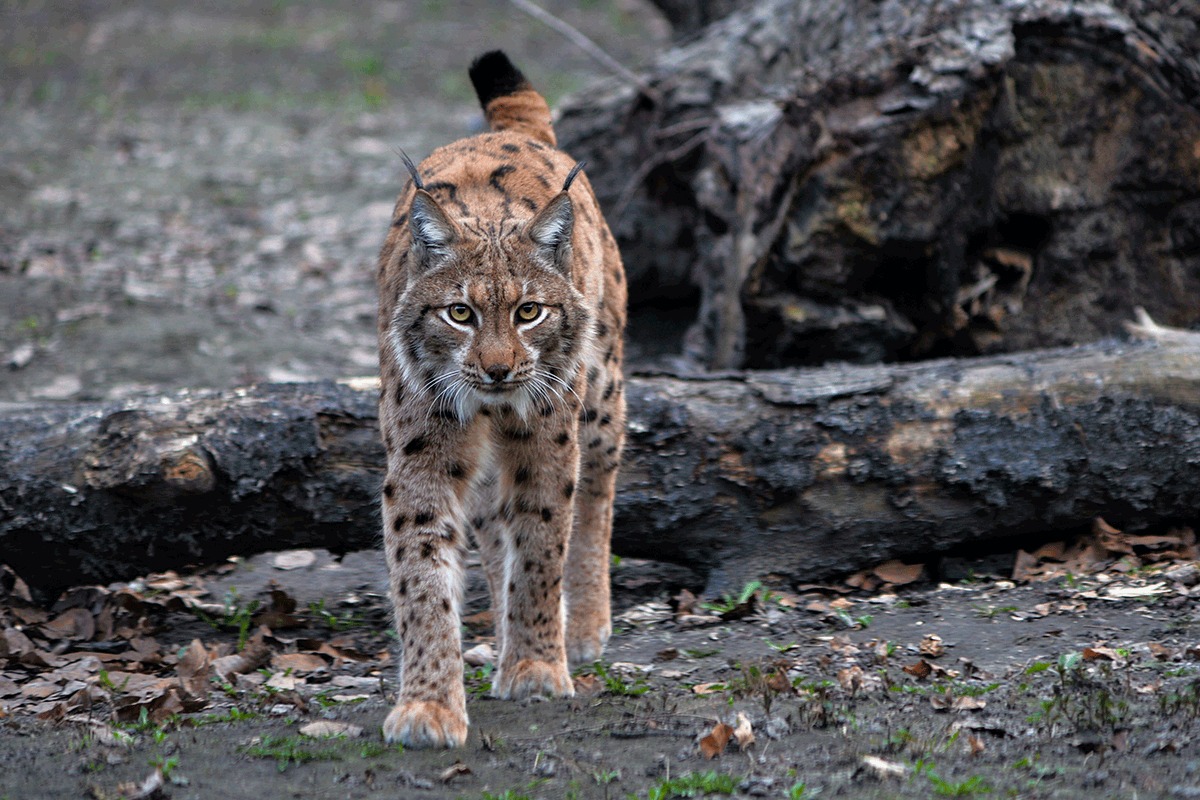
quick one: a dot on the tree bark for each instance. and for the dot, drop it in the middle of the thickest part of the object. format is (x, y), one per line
(879, 181)
(801, 474)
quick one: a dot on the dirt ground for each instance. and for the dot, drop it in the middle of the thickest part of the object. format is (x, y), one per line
(193, 195)
(1074, 687)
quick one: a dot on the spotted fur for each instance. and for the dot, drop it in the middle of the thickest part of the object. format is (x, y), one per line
(501, 312)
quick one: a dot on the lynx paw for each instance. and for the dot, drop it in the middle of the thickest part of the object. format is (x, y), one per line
(586, 645)
(425, 723)
(528, 677)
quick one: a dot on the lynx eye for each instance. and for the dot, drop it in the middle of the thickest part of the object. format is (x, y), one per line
(461, 313)
(528, 312)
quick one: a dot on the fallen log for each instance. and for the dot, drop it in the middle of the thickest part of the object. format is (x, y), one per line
(802, 474)
(880, 181)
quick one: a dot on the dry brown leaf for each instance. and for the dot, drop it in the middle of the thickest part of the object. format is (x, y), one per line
(587, 685)
(1160, 652)
(932, 646)
(968, 703)
(685, 602)
(896, 572)
(1099, 654)
(453, 771)
(714, 743)
(74, 623)
(975, 745)
(920, 670)
(743, 732)
(326, 728)
(256, 654)
(298, 662)
(708, 688)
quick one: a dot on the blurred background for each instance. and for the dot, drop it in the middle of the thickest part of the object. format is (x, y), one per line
(194, 194)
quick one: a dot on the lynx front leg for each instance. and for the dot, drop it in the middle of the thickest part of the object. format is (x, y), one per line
(602, 434)
(423, 539)
(537, 485)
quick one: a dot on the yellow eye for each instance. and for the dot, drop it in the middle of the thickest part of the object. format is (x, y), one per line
(528, 312)
(461, 313)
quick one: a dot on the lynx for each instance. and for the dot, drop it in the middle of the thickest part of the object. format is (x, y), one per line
(501, 312)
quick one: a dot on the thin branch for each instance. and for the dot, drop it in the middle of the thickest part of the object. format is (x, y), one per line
(589, 47)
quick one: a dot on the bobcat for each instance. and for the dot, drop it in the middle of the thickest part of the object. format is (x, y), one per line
(501, 312)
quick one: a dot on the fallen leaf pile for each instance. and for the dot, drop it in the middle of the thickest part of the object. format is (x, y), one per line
(97, 646)
(1107, 549)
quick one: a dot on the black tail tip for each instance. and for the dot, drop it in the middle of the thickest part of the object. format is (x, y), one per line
(493, 75)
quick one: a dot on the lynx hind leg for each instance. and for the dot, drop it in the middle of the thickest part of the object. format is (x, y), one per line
(601, 437)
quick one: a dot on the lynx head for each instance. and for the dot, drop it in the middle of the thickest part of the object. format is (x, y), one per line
(490, 314)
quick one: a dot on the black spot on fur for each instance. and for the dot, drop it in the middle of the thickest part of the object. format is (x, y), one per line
(547, 515)
(456, 470)
(608, 390)
(559, 548)
(398, 524)
(531, 205)
(388, 490)
(445, 605)
(528, 565)
(400, 220)
(497, 175)
(588, 416)
(403, 586)
(562, 438)
(601, 330)
(449, 532)
(426, 550)
(512, 587)
(593, 373)
(517, 435)
(596, 442)
(510, 147)
(423, 517)
(415, 446)
(521, 475)
(569, 489)
(444, 413)
(477, 523)
(606, 419)
(398, 553)
(546, 410)
(399, 394)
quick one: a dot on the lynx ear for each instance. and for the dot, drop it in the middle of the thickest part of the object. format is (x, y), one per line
(551, 231)
(432, 231)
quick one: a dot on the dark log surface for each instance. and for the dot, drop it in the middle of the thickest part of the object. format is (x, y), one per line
(800, 473)
(890, 180)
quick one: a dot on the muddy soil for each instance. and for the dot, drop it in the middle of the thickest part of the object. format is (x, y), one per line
(1068, 688)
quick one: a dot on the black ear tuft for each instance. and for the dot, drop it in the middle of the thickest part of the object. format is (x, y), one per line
(493, 75)
(412, 170)
(575, 170)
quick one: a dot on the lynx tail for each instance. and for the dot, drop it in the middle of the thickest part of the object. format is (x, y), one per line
(509, 102)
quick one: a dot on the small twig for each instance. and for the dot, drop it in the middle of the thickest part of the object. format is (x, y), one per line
(644, 170)
(588, 46)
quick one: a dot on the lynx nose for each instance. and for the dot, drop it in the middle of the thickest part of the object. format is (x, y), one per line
(497, 372)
